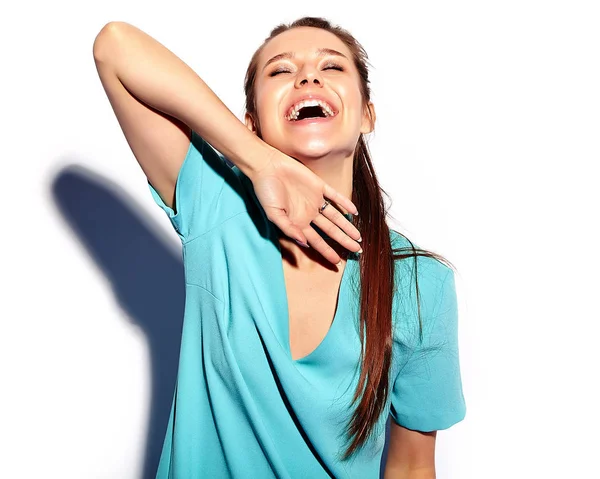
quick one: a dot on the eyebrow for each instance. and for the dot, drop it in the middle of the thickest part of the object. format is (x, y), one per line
(320, 52)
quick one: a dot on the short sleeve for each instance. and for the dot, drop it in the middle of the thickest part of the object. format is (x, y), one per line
(427, 392)
(207, 191)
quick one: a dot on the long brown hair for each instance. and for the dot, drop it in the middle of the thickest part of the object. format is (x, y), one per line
(377, 260)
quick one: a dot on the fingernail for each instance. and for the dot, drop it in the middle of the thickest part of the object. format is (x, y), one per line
(359, 251)
(359, 239)
(304, 245)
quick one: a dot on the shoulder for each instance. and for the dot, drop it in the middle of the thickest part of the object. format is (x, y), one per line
(420, 284)
(425, 268)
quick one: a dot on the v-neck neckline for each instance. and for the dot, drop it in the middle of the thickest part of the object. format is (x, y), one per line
(340, 306)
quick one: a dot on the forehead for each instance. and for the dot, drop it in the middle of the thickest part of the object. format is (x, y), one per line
(302, 41)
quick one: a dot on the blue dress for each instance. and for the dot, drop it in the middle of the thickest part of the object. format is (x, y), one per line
(242, 407)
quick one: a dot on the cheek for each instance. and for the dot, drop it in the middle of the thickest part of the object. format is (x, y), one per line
(267, 108)
(357, 100)
(352, 98)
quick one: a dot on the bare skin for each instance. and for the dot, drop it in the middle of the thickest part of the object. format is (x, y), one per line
(310, 320)
(326, 148)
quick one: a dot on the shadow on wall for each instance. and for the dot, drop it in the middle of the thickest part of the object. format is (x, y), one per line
(146, 276)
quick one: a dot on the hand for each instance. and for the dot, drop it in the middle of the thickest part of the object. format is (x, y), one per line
(291, 195)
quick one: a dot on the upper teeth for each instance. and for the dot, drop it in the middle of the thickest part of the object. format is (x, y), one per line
(294, 112)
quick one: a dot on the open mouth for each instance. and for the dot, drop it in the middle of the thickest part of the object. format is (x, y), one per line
(310, 109)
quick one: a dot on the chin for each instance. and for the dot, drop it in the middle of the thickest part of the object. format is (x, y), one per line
(311, 153)
(309, 149)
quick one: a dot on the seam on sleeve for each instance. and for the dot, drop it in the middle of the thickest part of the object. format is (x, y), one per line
(189, 240)
(204, 289)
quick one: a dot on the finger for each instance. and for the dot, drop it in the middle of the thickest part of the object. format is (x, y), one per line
(335, 233)
(331, 193)
(283, 222)
(342, 222)
(319, 244)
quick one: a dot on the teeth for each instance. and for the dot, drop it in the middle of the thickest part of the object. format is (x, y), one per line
(294, 112)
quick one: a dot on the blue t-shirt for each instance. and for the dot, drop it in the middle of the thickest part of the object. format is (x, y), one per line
(242, 406)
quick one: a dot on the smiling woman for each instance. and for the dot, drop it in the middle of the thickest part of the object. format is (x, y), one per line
(298, 343)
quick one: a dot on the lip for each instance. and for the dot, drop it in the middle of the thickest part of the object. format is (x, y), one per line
(312, 96)
(311, 121)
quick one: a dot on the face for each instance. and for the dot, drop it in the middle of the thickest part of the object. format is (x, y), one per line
(309, 67)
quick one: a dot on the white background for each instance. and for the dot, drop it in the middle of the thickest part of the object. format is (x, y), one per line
(487, 142)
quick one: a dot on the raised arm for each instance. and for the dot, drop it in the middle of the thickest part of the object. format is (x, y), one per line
(157, 98)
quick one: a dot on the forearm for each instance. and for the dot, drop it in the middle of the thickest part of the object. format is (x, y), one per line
(158, 78)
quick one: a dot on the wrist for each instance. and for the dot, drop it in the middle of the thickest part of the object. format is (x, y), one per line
(258, 155)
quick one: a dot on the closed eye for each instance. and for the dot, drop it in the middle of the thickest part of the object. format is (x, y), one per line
(327, 67)
(277, 72)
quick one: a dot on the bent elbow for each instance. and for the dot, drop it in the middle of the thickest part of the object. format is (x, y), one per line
(105, 38)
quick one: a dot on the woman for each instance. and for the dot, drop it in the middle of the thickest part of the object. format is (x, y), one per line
(297, 344)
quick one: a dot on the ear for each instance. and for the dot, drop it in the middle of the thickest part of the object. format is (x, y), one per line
(368, 123)
(250, 122)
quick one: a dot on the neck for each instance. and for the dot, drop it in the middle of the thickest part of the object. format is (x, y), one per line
(334, 170)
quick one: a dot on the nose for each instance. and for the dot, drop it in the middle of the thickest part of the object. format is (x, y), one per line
(309, 76)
